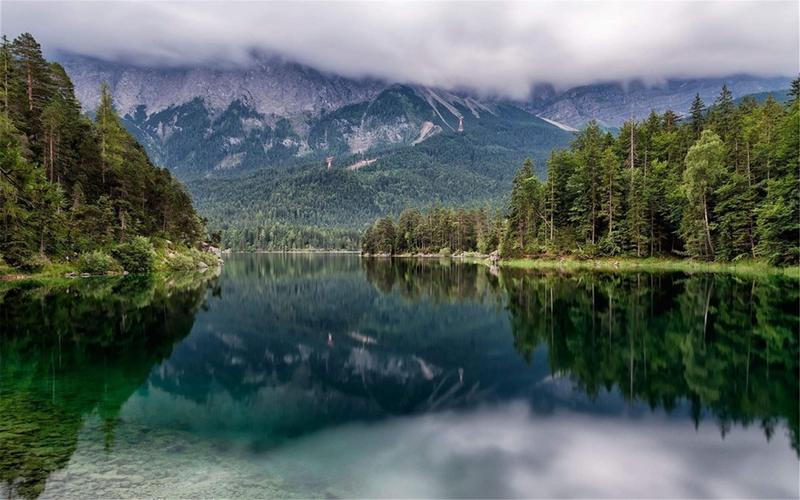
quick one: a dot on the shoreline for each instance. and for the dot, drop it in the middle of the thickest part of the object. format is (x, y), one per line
(48, 279)
(60, 272)
(622, 264)
(654, 264)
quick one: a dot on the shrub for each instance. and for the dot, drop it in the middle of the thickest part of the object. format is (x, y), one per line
(445, 252)
(181, 262)
(209, 259)
(31, 262)
(97, 262)
(136, 256)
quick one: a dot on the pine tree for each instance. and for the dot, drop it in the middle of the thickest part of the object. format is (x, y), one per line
(636, 216)
(111, 136)
(520, 210)
(697, 114)
(585, 183)
(778, 214)
(560, 168)
(9, 80)
(794, 91)
(611, 204)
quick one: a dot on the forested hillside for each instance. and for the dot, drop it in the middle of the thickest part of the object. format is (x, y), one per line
(721, 185)
(70, 186)
(312, 206)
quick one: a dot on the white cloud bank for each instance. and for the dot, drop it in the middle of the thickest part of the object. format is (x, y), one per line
(500, 48)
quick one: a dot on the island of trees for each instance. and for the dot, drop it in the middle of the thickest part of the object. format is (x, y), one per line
(77, 191)
(719, 184)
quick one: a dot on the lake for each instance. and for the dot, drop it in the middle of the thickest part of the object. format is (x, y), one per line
(336, 376)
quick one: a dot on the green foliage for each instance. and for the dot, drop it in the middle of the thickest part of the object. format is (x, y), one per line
(67, 185)
(704, 172)
(434, 231)
(136, 256)
(30, 262)
(98, 262)
(181, 262)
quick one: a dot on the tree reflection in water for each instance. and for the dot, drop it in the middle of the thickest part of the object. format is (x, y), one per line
(70, 351)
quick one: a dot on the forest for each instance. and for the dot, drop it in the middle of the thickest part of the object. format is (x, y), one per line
(74, 189)
(719, 184)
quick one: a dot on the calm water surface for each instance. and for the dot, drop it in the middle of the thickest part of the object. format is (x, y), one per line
(333, 376)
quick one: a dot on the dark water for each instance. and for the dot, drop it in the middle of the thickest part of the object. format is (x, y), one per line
(332, 376)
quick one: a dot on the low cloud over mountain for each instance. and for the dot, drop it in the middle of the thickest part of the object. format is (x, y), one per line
(494, 48)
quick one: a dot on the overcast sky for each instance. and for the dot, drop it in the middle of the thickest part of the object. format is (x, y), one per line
(500, 48)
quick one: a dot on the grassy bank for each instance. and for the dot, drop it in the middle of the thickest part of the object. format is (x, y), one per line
(748, 267)
(163, 260)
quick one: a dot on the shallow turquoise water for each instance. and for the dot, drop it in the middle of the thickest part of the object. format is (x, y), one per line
(333, 376)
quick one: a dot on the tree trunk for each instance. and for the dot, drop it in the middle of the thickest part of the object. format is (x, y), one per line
(707, 226)
(593, 209)
(52, 157)
(30, 88)
(552, 212)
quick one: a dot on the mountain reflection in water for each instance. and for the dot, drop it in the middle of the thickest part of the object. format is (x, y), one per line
(314, 375)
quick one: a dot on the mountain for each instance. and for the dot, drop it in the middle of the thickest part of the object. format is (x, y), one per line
(780, 95)
(201, 122)
(613, 103)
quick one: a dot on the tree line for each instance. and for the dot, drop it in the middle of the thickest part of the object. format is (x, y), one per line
(69, 184)
(437, 230)
(718, 184)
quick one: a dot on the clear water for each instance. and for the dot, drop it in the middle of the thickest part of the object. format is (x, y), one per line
(333, 376)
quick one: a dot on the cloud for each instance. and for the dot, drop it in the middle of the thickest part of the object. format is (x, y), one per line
(501, 450)
(499, 48)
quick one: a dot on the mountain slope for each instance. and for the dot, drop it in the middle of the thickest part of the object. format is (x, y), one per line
(203, 123)
(611, 104)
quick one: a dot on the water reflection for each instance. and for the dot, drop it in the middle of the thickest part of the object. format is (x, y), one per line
(310, 375)
(727, 345)
(70, 351)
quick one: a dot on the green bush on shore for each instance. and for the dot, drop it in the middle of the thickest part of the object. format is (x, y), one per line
(180, 262)
(32, 263)
(136, 256)
(98, 262)
(209, 259)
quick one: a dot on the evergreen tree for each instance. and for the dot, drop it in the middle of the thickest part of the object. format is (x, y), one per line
(520, 210)
(611, 205)
(585, 183)
(697, 116)
(560, 168)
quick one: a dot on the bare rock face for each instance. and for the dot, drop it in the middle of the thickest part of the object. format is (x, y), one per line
(272, 87)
